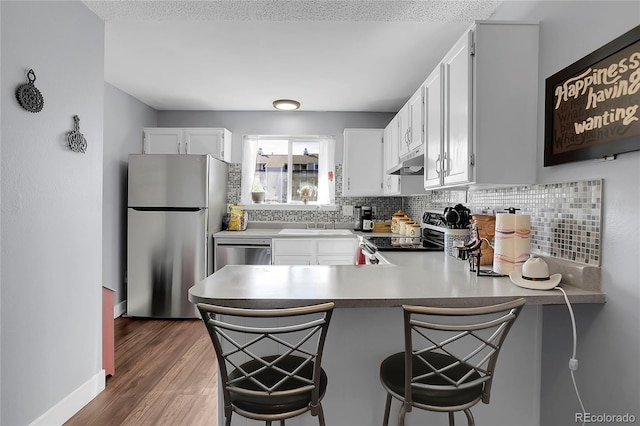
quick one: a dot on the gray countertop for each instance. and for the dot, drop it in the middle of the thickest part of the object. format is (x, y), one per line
(414, 278)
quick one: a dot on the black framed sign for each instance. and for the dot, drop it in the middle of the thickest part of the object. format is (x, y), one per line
(592, 107)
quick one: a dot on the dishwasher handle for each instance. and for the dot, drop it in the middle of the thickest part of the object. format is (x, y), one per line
(243, 242)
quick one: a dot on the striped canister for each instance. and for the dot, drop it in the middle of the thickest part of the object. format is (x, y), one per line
(512, 242)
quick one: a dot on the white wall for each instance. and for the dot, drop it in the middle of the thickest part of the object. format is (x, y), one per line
(51, 223)
(608, 338)
(276, 123)
(124, 119)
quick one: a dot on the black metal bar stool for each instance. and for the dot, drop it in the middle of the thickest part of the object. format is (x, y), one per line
(449, 358)
(270, 370)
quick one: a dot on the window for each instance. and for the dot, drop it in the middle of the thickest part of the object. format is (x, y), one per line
(288, 170)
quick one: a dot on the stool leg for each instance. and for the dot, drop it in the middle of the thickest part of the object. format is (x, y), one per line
(451, 420)
(402, 414)
(320, 415)
(387, 409)
(470, 420)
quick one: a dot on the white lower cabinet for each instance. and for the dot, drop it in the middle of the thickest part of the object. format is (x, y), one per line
(314, 251)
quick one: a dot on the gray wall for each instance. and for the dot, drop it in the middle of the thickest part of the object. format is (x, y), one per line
(608, 338)
(51, 243)
(124, 119)
(276, 123)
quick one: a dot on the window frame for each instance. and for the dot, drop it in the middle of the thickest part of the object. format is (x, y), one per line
(327, 172)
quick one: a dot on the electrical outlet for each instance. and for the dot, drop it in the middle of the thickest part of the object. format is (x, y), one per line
(373, 210)
(347, 210)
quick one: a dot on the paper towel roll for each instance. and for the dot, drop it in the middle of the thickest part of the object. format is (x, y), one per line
(512, 242)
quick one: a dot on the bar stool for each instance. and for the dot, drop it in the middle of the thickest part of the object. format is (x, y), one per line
(270, 369)
(449, 358)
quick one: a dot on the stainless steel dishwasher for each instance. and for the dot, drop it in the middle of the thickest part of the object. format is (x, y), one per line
(241, 251)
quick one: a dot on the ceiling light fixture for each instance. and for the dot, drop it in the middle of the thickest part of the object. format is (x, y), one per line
(286, 104)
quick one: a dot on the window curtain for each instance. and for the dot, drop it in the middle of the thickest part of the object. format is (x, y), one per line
(326, 174)
(249, 152)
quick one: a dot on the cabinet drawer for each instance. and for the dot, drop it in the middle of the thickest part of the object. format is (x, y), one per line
(293, 246)
(339, 247)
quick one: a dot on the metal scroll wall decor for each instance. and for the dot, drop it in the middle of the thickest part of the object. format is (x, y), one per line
(28, 94)
(75, 140)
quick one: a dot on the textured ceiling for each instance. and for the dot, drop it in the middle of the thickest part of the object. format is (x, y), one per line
(241, 55)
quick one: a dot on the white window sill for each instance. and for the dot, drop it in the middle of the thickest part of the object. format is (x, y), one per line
(301, 207)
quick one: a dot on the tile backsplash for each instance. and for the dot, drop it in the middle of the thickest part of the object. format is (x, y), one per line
(565, 217)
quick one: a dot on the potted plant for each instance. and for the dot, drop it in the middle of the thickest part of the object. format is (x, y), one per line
(305, 192)
(257, 194)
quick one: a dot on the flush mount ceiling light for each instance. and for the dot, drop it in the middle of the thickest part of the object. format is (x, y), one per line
(286, 104)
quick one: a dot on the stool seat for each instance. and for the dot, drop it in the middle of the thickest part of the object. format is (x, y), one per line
(280, 401)
(392, 376)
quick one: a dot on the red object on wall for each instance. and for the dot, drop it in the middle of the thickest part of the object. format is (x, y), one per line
(108, 340)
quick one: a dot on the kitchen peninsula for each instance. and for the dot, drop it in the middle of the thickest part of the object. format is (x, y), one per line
(367, 325)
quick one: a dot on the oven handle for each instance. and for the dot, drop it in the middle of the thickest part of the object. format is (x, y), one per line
(434, 227)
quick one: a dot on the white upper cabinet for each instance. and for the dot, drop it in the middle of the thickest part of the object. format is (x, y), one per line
(457, 104)
(416, 121)
(410, 125)
(482, 128)
(165, 140)
(433, 151)
(390, 183)
(362, 162)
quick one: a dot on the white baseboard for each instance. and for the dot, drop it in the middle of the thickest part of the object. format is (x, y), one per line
(120, 309)
(72, 403)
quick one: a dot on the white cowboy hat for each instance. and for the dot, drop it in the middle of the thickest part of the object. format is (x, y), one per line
(534, 275)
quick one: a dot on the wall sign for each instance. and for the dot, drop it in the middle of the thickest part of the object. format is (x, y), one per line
(592, 107)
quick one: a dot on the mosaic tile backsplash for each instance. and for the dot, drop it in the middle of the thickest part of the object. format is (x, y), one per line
(565, 217)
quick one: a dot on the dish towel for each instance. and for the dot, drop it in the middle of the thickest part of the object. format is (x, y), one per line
(512, 242)
(360, 260)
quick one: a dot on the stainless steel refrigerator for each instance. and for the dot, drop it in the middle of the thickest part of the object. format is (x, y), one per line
(175, 203)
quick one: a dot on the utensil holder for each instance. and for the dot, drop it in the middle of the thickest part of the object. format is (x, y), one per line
(455, 238)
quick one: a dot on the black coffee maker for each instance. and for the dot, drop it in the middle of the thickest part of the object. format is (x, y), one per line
(367, 219)
(357, 213)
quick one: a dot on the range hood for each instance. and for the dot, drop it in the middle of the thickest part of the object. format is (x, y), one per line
(410, 164)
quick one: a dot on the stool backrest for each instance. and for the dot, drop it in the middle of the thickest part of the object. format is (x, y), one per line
(464, 339)
(255, 335)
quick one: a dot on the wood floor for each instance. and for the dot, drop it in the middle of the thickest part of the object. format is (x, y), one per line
(165, 375)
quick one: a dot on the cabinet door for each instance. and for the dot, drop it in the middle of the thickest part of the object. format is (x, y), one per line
(163, 141)
(207, 141)
(416, 120)
(403, 118)
(433, 127)
(457, 148)
(337, 246)
(391, 183)
(362, 163)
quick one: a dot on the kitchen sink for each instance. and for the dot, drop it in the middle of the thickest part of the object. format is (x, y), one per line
(295, 231)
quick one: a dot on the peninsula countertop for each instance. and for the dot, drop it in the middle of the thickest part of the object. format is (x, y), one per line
(427, 278)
